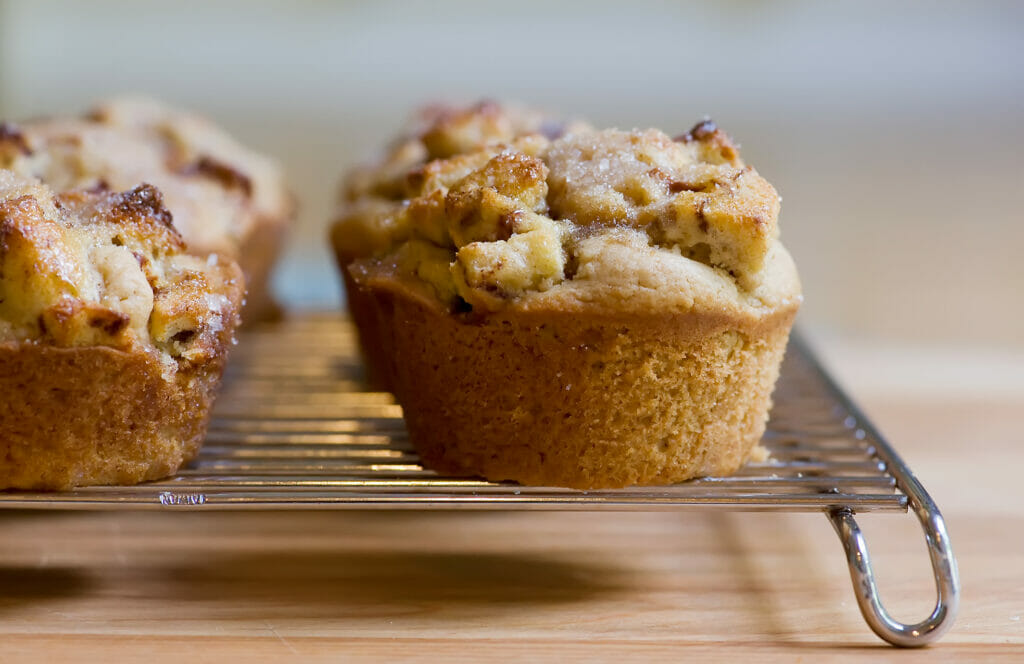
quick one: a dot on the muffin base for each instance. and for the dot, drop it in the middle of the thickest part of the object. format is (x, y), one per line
(583, 401)
(86, 416)
(372, 318)
(257, 257)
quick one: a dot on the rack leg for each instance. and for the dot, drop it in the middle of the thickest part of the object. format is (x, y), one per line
(947, 580)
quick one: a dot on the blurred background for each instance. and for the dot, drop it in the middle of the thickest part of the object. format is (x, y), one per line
(894, 131)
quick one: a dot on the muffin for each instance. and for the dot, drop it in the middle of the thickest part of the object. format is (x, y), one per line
(224, 198)
(422, 160)
(112, 338)
(602, 310)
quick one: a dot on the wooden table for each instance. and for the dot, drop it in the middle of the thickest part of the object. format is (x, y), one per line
(535, 586)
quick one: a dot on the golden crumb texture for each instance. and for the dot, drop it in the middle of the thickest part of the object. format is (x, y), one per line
(112, 337)
(224, 198)
(582, 401)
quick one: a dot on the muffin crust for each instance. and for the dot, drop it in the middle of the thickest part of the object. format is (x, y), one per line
(112, 339)
(596, 310)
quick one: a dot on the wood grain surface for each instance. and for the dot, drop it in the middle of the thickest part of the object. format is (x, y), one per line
(529, 586)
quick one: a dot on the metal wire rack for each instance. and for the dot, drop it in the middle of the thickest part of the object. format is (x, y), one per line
(294, 428)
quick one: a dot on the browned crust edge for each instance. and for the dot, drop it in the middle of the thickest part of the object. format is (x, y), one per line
(84, 416)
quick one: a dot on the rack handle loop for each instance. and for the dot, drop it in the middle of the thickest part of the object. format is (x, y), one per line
(947, 582)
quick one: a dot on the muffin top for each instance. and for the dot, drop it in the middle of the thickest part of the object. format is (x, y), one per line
(217, 189)
(431, 145)
(102, 268)
(612, 220)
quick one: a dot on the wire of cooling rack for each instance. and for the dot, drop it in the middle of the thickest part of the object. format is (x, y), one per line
(294, 429)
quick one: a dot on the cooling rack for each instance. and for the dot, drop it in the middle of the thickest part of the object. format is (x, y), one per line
(294, 428)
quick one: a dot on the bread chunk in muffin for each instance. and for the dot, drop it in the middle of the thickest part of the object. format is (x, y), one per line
(442, 145)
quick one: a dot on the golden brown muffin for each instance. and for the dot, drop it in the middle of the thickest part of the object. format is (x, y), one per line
(225, 199)
(426, 158)
(606, 309)
(112, 339)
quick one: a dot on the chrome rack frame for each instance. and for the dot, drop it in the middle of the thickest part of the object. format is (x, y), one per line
(294, 429)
